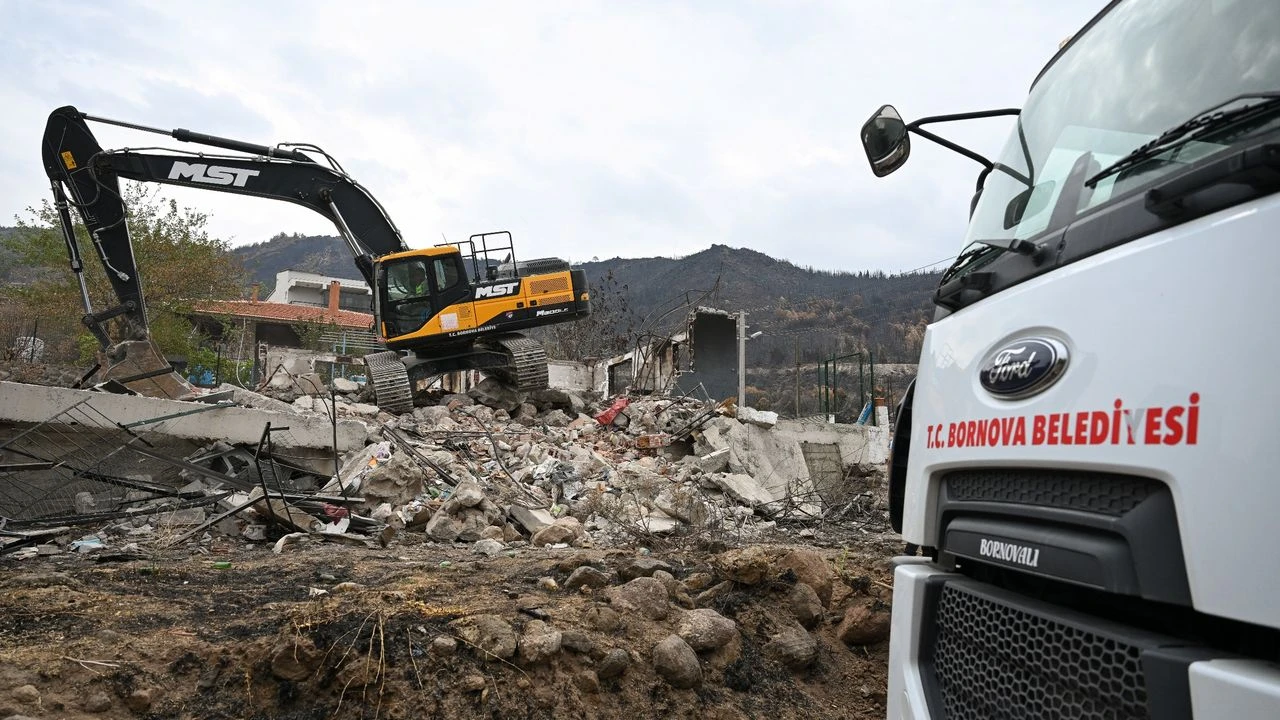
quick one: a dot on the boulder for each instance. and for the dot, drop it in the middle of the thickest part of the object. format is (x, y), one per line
(614, 663)
(345, 386)
(397, 481)
(586, 576)
(643, 596)
(864, 623)
(531, 519)
(492, 393)
(811, 569)
(539, 642)
(467, 494)
(794, 648)
(492, 636)
(749, 566)
(563, 530)
(642, 567)
(706, 629)
(676, 662)
(805, 605)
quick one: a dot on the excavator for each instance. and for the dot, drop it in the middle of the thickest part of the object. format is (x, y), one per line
(453, 306)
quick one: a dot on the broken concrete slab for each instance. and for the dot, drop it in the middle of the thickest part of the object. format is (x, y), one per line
(743, 488)
(496, 395)
(760, 418)
(531, 519)
(192, 420)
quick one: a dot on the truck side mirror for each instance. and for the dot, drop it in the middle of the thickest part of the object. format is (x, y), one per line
(885, 139)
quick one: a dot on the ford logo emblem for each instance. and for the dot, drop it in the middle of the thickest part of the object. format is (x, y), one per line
(1023, 367)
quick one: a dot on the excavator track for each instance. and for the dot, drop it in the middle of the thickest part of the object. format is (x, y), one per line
(527, 369)
(390, 378)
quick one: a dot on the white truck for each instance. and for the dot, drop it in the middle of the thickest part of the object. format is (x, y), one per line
(1084, 471)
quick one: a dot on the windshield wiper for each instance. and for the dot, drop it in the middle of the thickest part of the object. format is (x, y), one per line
(968, 259)
(1203, 122)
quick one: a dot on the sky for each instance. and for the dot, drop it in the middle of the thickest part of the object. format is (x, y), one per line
(587, 129)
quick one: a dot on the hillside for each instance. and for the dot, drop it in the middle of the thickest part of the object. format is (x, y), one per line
(817, 313)
(814, 313)
(322, 254)
(802, 311)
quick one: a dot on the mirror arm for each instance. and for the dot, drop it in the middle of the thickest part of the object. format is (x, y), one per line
(965, 116)
(950, 145)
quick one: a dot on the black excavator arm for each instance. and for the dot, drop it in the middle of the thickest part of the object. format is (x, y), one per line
(86, 177)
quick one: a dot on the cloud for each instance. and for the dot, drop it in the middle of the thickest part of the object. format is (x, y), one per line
(585, 128)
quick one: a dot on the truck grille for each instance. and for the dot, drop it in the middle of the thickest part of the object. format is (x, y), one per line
(1104, 493)
(996, 661)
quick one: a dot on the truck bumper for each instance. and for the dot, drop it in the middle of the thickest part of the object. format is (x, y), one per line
(963, 649)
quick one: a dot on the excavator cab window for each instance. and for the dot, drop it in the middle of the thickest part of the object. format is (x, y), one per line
(446, 273)
(408, 297)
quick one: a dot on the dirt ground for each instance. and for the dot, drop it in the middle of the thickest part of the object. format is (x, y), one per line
(334, 631)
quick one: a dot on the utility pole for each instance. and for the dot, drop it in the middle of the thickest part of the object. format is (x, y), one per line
(742, 358)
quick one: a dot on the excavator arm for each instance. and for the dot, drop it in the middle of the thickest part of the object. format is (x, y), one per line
(86, 177)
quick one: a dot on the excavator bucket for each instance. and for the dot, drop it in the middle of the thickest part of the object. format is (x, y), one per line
(141, 367)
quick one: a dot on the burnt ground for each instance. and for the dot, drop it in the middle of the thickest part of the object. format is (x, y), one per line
(241, 632)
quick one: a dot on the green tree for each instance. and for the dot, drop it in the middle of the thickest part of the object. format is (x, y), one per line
(179, 264)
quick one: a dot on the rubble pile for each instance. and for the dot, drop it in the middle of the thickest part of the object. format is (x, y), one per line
(499, 470)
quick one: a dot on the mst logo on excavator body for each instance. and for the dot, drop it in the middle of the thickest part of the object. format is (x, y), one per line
(499, 290)
(211, 174)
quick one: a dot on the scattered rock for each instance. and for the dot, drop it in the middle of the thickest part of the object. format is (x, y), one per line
(531, 519)
(539, 642)
(642, 567)
(706, 629)
(668, 581)
(140, 700)
(563, 530)
(644, 596)
(586, 576)
(794, 648)
(708, 596)
(805, 605)
(468, 494)
(863, 624)
(492, 636)
(604, 619)
(699, 581)
(472, 683)
(487, 547)
(614, 663)
(26, 694)
(295, 658)
(587, 681)
(810, 568)
(443, 646)
(494, 394)
(493, 532)
(548, 584)
(749, 566)
(577, 641)
(676, 662)
(96, 703)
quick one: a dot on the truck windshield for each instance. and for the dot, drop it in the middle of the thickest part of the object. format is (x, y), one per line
(1144, 67)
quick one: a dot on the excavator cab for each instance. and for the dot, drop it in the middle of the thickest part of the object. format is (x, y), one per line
(416, 285)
